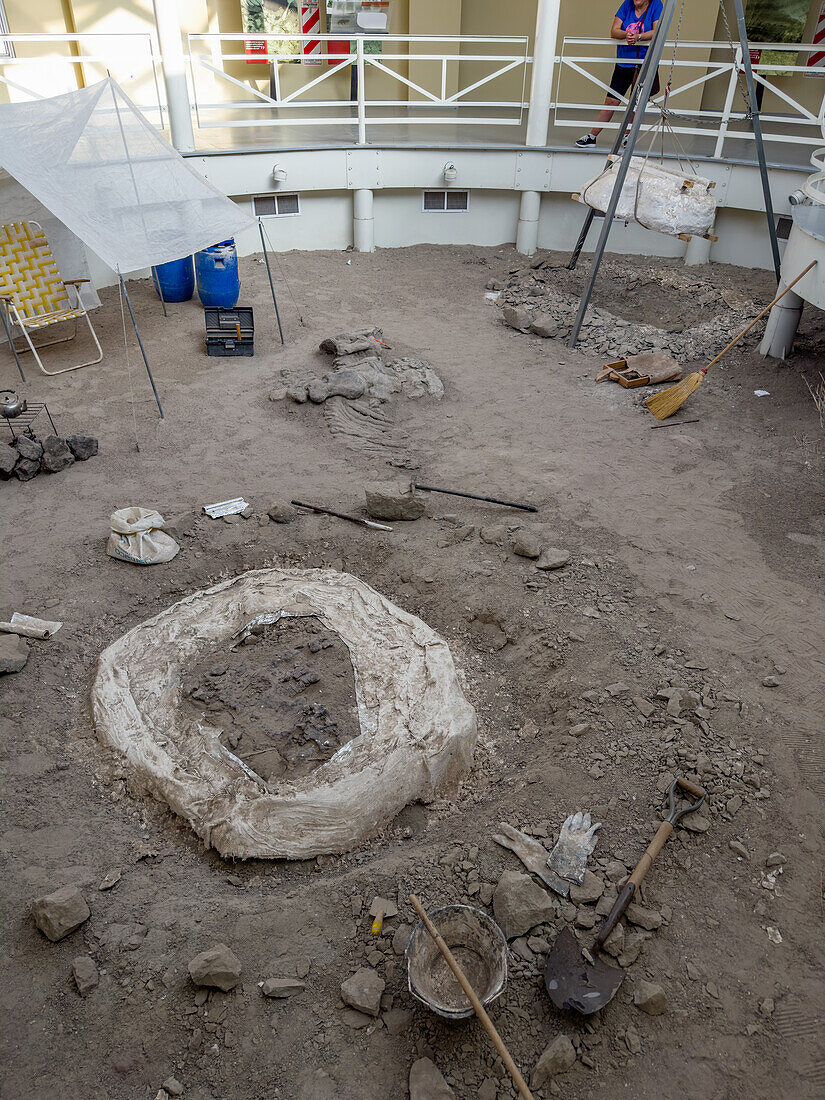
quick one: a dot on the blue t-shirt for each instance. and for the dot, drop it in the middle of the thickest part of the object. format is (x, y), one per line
(627, 14)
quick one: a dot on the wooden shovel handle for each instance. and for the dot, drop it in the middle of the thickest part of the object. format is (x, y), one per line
(628, 891)
(461, 978)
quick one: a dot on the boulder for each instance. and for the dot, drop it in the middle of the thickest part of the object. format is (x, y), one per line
(281, 512)
(217, 967)
(427, 1082)
(28, 448)
(56, 455)
(85, 974)
(553, 558)
(282, 987)
(59, 913)
(519, 904)
(14, 652)
(517, 317)
(387, 500)
(8, 459)
(27, 468)
(545, 326)
(650, 998)
(363, 991)
(82, 447)
(557, 1057)
(527, 545)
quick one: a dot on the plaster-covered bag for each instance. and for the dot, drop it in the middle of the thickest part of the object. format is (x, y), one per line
(137, 536)
(667, 200)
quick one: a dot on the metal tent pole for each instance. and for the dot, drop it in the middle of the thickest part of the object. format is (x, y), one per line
(630, 109)
(654, 55)
(757, 132)
(269, 274)
(140, 344)
(11, 342)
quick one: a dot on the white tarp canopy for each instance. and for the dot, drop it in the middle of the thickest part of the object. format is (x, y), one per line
(94, 161)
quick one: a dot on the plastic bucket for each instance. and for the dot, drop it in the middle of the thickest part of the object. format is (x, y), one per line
(175, 280)
(216, 269)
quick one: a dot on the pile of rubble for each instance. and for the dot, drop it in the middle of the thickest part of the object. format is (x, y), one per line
(27, 456)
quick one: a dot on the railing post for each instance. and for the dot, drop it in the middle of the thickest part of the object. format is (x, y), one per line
(726, 110)
(362, 110)
(174, 75)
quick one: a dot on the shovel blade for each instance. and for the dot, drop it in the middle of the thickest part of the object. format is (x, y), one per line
(573, 983)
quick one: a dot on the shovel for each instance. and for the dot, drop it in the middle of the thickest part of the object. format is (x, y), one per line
(579, 979)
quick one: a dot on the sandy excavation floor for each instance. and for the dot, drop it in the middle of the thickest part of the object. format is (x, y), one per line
(697, 558)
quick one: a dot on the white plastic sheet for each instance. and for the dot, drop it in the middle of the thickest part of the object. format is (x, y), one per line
(94, 161)
(417, 730)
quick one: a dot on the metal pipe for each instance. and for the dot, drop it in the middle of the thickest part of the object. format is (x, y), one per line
(140, 344)
(652, 59)
(269, 275)
(363, 222)
(541, 80)
(174, 75)
(475, 496)
(11, 342)
(527, 232)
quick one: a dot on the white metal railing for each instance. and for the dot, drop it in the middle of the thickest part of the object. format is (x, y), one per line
(130, 57)
(505, 55)
(798, 126)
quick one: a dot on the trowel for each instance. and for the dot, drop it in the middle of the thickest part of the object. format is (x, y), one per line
(581, 980)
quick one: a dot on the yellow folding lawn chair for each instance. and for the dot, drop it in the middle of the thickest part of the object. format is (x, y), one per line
(33, 296)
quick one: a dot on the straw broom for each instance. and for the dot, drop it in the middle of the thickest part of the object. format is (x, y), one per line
(665, 404)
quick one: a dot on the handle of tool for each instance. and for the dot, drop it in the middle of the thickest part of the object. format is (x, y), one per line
(759, 317)
(475, 496)
(478, 1007)
(628, 891)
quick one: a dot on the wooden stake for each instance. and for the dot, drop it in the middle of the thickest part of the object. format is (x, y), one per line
(461, 978)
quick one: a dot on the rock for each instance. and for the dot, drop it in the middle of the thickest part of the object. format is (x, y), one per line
(317, 391)
(27, 468)
(234, 517)
(682, 699)
(614, 944)
(527, 545)
(553, 558)
(173, 1086)
(740, 849)
(590, 890)
(427, 1082)
(644, 918)
(8, 459)
(281, 512)
(14, 652)
(650, 998)
(316, 1084)
(363, 991)
(776, 859)
(85, 974)
(558, 1057)
(82, 447)
(248, 512)
(217, 967)
(632, 1040)
(488, 1090)
(633, 944)
(494, 535)
(695, 823)
(28, 448)
(397, 1021)
(282, 987)
(544, 326)
(387, 500)
(770, 682)
(56, 455)
(643, 706)
(58, 914)
(766, 1007)
(400, 939)
(517, 317)
(182, 524)
(346, 383)
(519, 904)
(297, 393)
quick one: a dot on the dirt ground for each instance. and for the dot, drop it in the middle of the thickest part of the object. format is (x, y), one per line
(697, 558)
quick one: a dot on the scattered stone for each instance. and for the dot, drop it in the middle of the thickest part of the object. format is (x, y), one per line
(85, 974)
(14, 652)
(27, 468)
(282, 987)
(248, 512)
(650, 998)
(488, 1090)
(400, 939)
(585, 917)
(616, 871)
(56, 455)
(580, 729)
(545, 326)
(519, 904)
(614, 944)
(740, 849)
(733, 804)
(643, 917)
(8, 459)
(58, 914)
(776, 859)
(632, 1040)
(558, 1057)
(363, 991)
(217, 967)
(633, 944)
(766, 1007)
(517, 318)
(29, 448)
(553, 558)
(527, 545)
(182, 524)
(770, 682)
(695, 823)
(233, 518)
(173, 1086)
(281, 512)
(590, 890)
(427, 1082)
(644, 707)
(82, 447)
(387, 500)
(397, 1020)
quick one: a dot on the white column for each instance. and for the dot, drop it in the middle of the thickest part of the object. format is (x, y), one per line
(173, 65)
(527, 234)
(538, 114)
(363, 223)
(783, 321)
(697, 251)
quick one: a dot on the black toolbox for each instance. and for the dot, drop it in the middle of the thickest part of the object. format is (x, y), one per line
(229, 331)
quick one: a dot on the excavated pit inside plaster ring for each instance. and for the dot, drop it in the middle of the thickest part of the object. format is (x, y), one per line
(415, 736)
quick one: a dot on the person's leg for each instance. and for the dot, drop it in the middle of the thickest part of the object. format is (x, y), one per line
(619, 83)
(605, 115)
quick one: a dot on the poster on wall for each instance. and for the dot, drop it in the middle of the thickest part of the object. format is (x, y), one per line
(776, 21)
(269, 17)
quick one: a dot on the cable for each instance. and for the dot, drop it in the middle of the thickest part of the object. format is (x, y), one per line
(128, 367)
(282, 273)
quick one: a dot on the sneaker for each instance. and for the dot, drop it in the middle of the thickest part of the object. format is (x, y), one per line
(586, 142)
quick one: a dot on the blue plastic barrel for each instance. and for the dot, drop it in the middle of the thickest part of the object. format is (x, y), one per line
(216, 269)
(175, 281)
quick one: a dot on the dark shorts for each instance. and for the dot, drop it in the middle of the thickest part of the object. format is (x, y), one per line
(624, 76)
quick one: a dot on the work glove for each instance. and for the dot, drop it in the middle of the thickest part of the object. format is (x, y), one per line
(577, 839)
